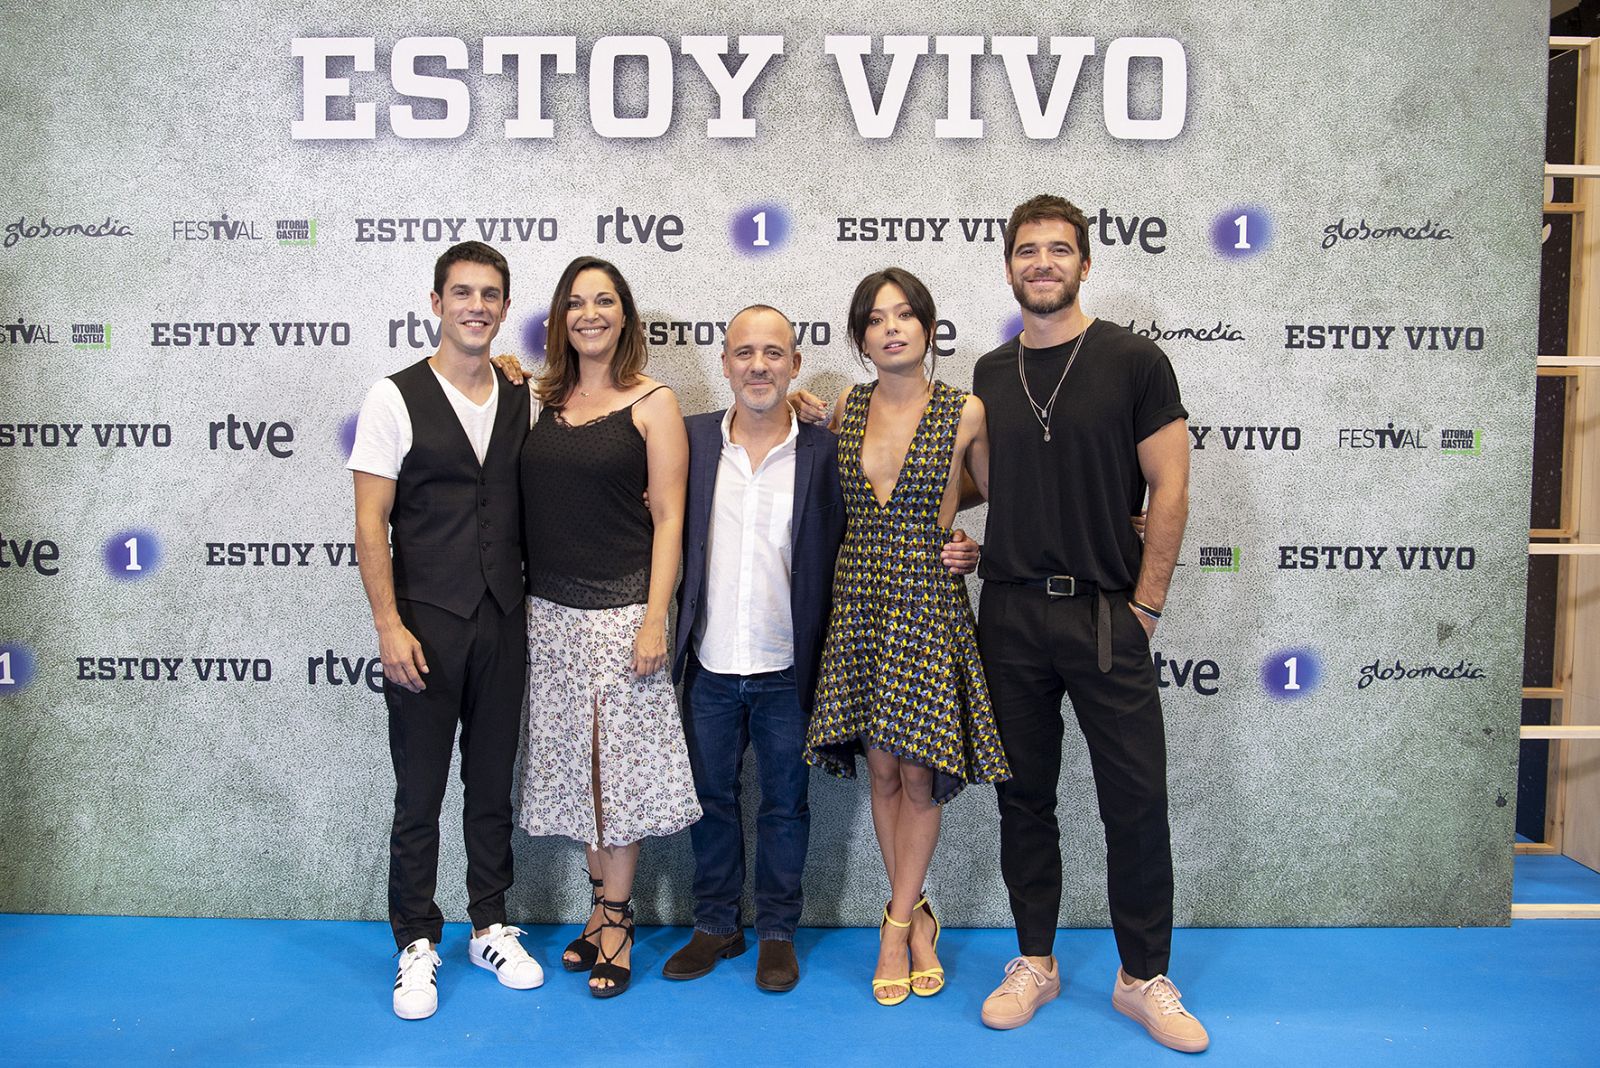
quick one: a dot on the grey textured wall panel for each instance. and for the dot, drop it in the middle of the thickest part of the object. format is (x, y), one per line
(1381, 804)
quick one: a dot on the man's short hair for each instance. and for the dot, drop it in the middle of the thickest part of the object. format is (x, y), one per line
(1046, 206)
(794, 342)
(471, 252)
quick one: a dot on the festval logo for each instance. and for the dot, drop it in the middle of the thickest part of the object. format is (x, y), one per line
(131, 555)
(759, 229)
(16, 668)
(1291, 673)
(1242, 231)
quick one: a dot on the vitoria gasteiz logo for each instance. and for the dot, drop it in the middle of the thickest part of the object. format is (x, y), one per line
(296, 233)
(1219, 558)
(91, 335)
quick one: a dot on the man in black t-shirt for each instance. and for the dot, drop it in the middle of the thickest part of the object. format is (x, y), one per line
(1082, 417)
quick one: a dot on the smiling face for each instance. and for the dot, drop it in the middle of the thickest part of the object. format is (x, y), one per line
(894, 338)
(759, 359)
(1046, 266)
(594, 315)
(471, 308)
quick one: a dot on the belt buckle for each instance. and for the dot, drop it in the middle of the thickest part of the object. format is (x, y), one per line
(1061, 586)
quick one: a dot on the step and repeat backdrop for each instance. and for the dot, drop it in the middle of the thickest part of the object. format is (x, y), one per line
(215, 233)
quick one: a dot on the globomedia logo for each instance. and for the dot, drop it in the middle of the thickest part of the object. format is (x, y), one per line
(1341, 230)
(1383, 671)
(1290, 674)
(132, 555)
(16, 668)
(23, 230)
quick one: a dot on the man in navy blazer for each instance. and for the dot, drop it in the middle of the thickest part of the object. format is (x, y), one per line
(764, 520)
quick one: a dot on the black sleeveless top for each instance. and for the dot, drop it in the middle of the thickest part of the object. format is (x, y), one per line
(587, 530)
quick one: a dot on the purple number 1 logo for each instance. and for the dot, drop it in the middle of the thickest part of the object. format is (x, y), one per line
(132, 555)
(1241, 231)
(759, 229)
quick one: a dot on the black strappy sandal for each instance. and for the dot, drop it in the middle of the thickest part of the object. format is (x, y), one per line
(605, 969)
(586, 950)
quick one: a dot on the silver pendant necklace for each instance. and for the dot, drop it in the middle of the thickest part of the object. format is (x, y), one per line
(1042, 412)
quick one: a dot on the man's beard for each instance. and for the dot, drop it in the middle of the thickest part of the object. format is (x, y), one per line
(1044, 305)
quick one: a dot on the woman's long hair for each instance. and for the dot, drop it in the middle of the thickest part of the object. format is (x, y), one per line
(560, 375)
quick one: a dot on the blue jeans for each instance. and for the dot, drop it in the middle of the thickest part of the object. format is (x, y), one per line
(722, 715)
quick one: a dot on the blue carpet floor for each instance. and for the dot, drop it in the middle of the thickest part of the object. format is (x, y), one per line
(126, 991)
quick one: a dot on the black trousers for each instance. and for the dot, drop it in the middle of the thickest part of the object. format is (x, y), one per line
(477, 673)
(1035, 648)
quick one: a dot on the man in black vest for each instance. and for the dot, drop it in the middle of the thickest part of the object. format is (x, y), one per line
(435, 461)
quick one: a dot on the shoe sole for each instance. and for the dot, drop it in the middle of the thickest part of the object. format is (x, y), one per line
(404, 1015)
(1181, 1045)
(1009, 1025)
(731, 952)
(498, 974)
(778, 988)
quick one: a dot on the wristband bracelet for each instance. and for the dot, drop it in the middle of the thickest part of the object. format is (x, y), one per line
(1146, 609)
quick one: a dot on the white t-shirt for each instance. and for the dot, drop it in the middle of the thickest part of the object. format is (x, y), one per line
(383, 430)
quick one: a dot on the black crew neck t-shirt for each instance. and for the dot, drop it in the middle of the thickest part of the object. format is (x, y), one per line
(1061, 507)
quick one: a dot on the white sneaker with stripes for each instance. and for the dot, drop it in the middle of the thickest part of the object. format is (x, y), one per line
(500, 952)
(416, 991)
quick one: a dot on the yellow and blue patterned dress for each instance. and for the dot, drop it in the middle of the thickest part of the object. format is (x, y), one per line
(900, 669)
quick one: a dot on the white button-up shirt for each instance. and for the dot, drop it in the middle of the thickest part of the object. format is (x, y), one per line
(746, 627)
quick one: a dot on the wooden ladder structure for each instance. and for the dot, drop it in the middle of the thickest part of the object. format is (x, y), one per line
(1572, 815)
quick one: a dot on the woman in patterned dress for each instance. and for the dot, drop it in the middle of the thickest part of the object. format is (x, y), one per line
(900, 679)
(606, 762)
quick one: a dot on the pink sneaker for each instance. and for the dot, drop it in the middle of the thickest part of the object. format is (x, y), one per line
(1026, 987)
(1154, 1003)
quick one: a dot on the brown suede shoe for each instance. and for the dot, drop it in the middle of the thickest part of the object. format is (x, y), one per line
(777, 969)
(701, 955)
(1014, 1001)
(1154, 1003)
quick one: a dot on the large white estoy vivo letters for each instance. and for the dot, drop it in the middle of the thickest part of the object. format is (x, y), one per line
(1040, 119)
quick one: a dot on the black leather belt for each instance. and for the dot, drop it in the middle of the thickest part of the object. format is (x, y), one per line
(1069, 586)
(1061, 586)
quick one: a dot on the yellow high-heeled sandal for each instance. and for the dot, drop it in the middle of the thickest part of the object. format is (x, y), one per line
(928, 973)
(880, 984)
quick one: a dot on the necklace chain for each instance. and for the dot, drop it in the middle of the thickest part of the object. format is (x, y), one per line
(1043, 412)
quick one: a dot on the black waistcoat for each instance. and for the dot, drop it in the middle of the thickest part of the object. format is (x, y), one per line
(456, 526)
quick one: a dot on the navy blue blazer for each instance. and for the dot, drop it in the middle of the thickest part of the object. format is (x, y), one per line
(816, 530)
